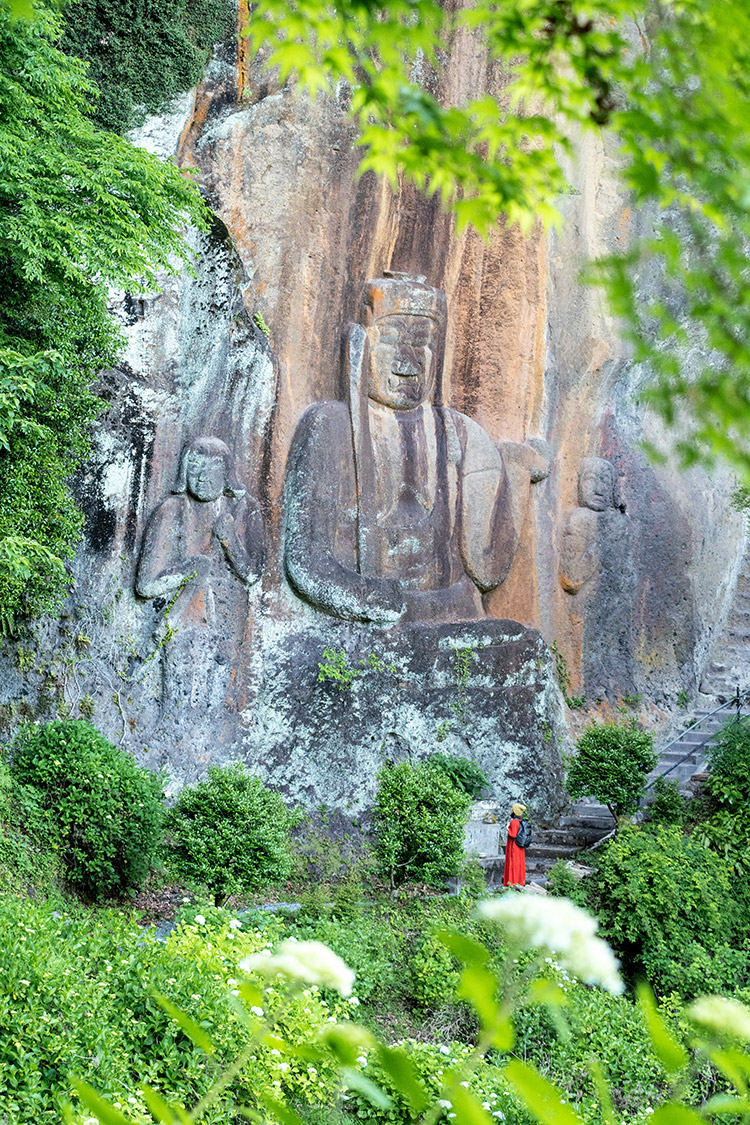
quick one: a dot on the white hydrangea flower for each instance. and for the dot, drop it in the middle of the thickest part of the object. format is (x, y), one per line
(200, 920)
(235, 924)
(720, 1014)
(309, 961)
(257, 1011)
(557, 925)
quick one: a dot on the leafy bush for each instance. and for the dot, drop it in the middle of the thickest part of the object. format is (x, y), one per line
(729, 757)
(104, 812)
(668, 806)
(726, 825)
(611, 765)
(141, 55)
(78, 997)
(231, 833)
(419, 821)
(434, 974)
(465, 774)
(25, 861)
(562, 883)
(657, 893)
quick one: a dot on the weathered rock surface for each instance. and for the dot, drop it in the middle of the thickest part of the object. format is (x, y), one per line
(529, 354)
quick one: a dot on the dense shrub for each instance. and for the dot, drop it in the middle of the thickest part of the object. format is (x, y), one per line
(668, 805)
(593, 1023)
(231, 833)
(562, 883)
(104, 812)
(464, 773)
(729, 757)
(660, 896)
(78, 997)
(25, 860)
(611, 765)
(419, 822)
(142, 53)
(726, 826)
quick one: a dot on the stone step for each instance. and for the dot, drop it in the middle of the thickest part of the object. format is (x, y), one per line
(598, 827)
(567, 835)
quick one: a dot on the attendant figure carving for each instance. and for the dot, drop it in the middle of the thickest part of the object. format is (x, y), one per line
(597, 563)
(398, 507)
(211, 529)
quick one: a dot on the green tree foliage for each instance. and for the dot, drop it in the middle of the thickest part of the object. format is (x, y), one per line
(668, 805)
(612, 763)
(231, 833)
(419, 822)
(80, 209)
(465, 774)
(104, 813)
(142, 53)
(726, 829)
(670, 907)
(673, 85)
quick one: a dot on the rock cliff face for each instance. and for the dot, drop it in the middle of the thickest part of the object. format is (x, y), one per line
(184, 633)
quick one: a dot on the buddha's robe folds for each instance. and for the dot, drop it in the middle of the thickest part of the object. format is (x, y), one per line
(414, 525)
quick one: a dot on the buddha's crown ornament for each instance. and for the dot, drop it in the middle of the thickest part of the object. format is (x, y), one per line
(403, 294)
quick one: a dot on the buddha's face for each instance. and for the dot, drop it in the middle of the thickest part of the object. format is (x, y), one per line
(597, 485)
(206, 477)
(402, 371)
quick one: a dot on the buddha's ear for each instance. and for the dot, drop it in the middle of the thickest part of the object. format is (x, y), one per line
(357, 346)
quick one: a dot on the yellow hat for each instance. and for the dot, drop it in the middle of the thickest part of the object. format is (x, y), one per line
(518, 809)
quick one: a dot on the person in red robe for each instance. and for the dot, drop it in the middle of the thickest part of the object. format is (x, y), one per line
(514, 874)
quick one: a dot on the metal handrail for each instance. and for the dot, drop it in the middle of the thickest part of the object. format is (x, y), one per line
(735, 701)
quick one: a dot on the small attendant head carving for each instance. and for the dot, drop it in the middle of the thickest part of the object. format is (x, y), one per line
(597, 485)
(405, 324)
(206, 471)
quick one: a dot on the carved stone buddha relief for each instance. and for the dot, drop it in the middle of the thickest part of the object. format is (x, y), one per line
(399, 508)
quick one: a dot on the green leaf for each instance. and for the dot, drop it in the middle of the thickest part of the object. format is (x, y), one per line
(468, 1110)
(673, 1113)
(356, 1080)
(671, 1054)
(596, 1070)
(193, 1030)
(726, 1103)
(464, 948)
(279, 1111)
(160, 1110)
(543, 1100)
(106, 1113)
(400, 1069)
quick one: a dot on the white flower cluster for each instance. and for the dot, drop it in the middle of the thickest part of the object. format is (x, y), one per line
(559, 926)
(718, 1014)
(309, 961)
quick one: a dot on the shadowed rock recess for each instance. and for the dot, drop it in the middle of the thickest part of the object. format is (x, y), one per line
(431, 468)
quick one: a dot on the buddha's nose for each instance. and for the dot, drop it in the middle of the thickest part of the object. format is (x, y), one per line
(406, 363)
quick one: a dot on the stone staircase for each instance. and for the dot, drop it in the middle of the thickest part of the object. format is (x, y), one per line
(685, 756)
(587, 823)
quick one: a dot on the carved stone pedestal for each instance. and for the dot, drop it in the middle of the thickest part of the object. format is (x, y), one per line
(323, 743)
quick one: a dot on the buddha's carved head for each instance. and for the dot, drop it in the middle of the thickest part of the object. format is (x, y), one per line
(405, 325)
(205, 470)
(597, 484)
